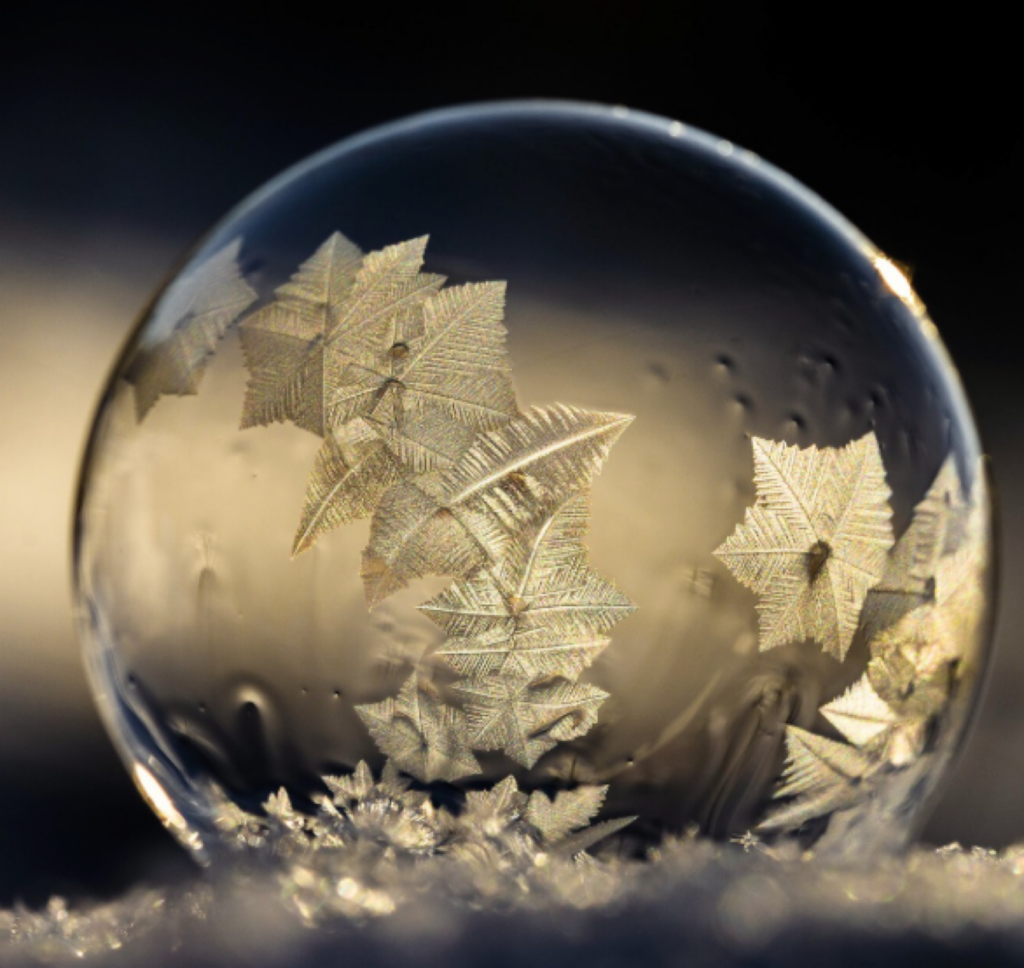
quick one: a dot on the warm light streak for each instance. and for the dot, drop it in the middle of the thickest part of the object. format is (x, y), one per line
(895, 279)
(156, 796)
(898, 283)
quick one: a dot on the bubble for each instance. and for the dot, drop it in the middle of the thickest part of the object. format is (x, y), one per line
(431, 459)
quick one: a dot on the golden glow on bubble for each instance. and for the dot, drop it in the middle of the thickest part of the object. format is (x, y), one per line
(896, 279)
(160, 803)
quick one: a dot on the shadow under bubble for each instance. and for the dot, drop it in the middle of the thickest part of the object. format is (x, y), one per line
(83, 840)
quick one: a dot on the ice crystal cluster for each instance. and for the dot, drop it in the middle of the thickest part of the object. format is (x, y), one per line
(356, 855)
(410, 386)
(818, 548)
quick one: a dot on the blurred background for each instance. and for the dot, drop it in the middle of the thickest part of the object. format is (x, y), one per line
(125, 132)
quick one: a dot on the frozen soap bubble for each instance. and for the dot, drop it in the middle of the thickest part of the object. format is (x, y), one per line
(538, 462)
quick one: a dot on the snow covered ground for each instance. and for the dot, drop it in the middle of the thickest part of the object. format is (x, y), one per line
(699, 904)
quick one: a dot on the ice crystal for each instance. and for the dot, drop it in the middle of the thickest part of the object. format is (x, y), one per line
(398, 816)
(541, 611)
(505, 482)
(423, 736)
(859, 714)
(815, 541)
(455, 364)
(936, 529)
(191, 319)
(524, 718)
(351, 473)
(821, 775)
(313, 352)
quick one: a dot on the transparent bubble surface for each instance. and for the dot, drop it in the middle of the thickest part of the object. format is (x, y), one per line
(546, 442)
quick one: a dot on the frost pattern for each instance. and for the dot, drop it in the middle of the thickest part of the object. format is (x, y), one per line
(191, 317)
(381, 829)
(410, 386)
(815, 541)
(920, 613)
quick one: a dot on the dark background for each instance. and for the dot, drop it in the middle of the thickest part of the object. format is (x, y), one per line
(124, 132)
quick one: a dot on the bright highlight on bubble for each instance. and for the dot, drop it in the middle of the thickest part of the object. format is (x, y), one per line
(895, 278)
(160, 803)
